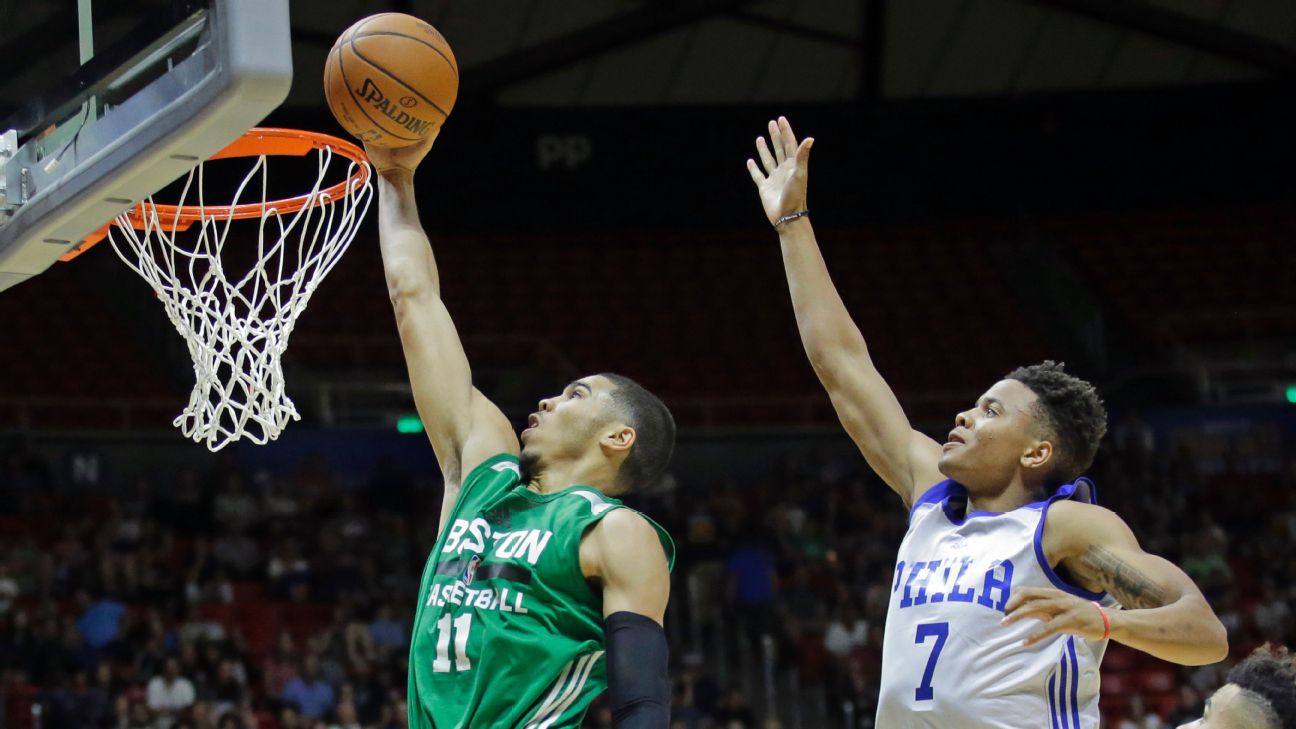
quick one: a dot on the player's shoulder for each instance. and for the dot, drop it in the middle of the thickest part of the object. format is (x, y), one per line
(626, 522)
(1070, 526)
(1070, 513)
(623, 538)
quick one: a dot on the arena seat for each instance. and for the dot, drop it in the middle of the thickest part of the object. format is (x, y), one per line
(700, 315)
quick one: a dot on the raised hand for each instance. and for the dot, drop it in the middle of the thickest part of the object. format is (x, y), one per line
(388, 159)
(782, 186)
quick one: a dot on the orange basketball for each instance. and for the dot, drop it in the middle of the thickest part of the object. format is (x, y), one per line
(391, 79)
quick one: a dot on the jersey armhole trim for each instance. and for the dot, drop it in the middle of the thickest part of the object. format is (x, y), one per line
(494, 463)
(663, 537)
(934, 495)
(1052, 574)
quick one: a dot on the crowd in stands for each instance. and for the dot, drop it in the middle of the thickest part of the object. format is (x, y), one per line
(229, 599)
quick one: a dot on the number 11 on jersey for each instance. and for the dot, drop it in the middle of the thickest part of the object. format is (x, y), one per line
(940, 631)
(462, 625)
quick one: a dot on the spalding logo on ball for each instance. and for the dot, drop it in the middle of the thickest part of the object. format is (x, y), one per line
(372, 97)
(391, 80)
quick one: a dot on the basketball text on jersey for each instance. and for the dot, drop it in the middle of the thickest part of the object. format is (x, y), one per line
(473, 536)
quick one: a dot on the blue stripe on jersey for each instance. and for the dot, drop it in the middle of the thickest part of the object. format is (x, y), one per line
(1075, 683)
(1062, 705)
(1052, 698)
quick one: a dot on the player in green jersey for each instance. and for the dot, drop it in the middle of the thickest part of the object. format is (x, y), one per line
(542, 589)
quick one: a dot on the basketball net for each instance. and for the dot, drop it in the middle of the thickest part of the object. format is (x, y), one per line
(237, 324)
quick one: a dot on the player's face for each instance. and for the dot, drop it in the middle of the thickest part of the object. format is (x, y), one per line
(566, 424)
(1228, 709)
(989, 440)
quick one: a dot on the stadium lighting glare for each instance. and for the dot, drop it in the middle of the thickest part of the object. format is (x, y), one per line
(409, 424)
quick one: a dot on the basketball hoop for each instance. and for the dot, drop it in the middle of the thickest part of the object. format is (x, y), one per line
(237, 324)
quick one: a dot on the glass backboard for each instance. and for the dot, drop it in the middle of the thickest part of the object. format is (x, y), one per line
(120, 98)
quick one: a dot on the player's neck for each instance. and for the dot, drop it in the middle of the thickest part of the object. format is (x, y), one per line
(555, 477)
(1013, 496)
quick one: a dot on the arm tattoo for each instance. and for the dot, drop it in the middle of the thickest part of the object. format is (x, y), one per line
(1128, 585)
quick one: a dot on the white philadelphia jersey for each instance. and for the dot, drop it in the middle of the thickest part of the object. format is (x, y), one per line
(947, 661)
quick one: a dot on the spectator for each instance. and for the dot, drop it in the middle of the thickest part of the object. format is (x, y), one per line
(238, 553)
(386, 631)
(1273, 613)
(1205, 563)
(100, 620)
(1188, 709)
(138, 716)
(734, 713)
(234, 508)
(280, 667)
(346, 717)
(196, 628)
(751, 583)
(289, 572)
(170, 693)
(847, 631)
(229, 692)
(8, 587)
(290, 718)
(1139, 717)
(312, 695)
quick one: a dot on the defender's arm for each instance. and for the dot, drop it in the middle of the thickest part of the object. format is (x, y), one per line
(464, 427)
(869, 410)
(1165, 614)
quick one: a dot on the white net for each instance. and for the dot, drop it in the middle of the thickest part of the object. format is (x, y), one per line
(237, 317)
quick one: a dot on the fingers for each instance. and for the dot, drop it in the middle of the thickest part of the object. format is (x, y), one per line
(767, 159)
(1046, 631)
(776, 141)
(803, 153)
(1039, 606)
(756, 175)
(787, 137)
(1023, 594)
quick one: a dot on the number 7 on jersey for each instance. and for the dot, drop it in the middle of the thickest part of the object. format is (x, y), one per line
(940, 631)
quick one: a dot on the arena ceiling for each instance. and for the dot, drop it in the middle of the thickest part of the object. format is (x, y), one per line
(654, 52)
(627, 52)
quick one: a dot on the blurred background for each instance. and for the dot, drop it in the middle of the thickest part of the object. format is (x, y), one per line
(995, 182)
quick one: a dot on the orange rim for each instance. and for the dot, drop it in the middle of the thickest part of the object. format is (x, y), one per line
(255, 142)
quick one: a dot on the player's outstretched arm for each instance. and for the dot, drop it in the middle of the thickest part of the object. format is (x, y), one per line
(1164, 613)
(869, 410)
(624, 555)
(465, 428)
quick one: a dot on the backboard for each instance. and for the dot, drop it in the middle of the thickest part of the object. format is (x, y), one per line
(156, 87)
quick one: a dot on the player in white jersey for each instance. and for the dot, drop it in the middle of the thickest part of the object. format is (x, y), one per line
(1007, 583)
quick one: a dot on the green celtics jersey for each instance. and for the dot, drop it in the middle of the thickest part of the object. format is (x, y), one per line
(508, 633)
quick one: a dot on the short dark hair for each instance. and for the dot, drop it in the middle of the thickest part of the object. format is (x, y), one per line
(654, 433)
(1072, 413)
(1270, 674)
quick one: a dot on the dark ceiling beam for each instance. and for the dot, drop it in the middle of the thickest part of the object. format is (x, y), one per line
(786, 26)
(625, 29)
(1185, 30)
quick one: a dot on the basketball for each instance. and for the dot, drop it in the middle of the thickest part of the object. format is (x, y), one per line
(391, 79)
